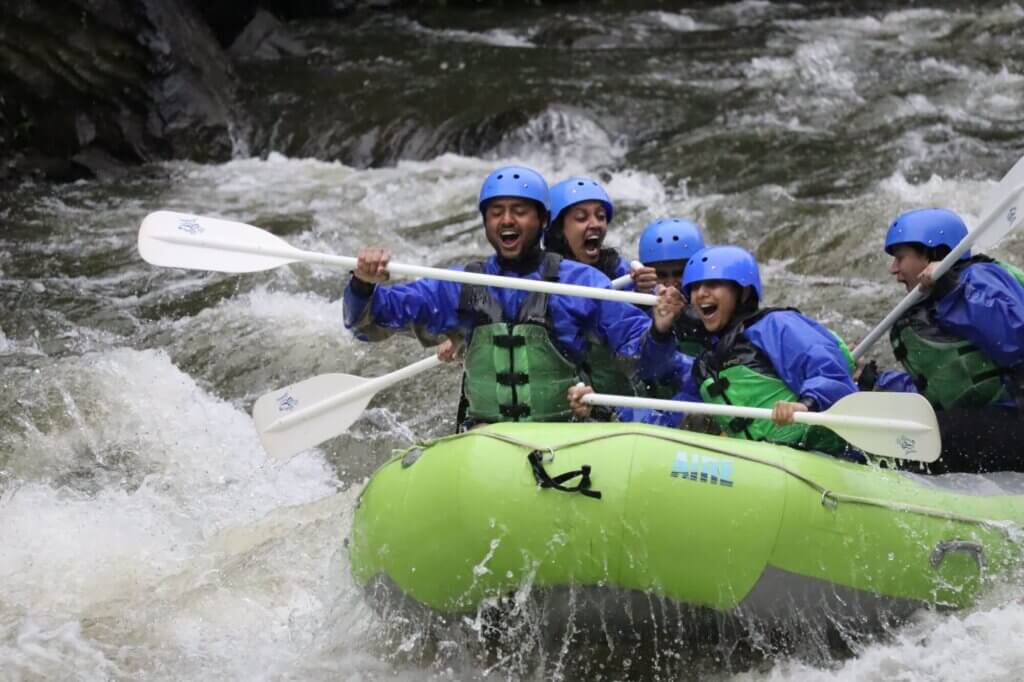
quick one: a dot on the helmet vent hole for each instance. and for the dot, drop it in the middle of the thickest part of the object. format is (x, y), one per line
(516, 176)
(660, 240)
(675, 237)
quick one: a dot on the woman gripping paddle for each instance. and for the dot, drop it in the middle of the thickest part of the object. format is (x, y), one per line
(756, 357)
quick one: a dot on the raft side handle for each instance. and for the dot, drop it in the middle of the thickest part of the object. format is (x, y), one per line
(827, 500)
(973, 548)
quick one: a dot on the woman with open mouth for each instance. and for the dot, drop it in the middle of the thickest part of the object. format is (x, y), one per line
(580, 214)
(775, 358)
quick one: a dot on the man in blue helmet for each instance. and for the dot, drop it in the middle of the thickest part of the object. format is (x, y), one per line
(666, 246)
(754, 357)
(962, 347)
(524, 349)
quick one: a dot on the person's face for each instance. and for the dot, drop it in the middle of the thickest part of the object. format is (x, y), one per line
(585, 225)
(907, 264)
(512, 225)
(716, 300)
(670, 273)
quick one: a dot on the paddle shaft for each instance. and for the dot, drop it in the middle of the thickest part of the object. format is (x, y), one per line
(371, 387)
(1006, 208)
(624, 281)
(813, 418)
(461, 276)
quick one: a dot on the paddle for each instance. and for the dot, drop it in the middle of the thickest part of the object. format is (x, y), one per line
(182, 240)
(626, 280)
(302, 415)
(862, 419)
(1004, 209)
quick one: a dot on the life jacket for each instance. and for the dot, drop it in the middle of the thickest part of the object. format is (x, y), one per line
(949, 370)
(513, 372)
(736, 372)
(604, 370)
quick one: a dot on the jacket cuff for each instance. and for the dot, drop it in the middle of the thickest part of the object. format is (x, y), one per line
(809, 402)
(360, 288)
(945, 285)
(661, 337)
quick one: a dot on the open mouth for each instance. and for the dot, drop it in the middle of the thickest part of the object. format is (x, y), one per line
(708, 311)
(508, 237)
(592, 241)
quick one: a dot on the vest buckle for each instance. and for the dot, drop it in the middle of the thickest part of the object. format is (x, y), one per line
(508, 340)
(512, 378)
(514, 411)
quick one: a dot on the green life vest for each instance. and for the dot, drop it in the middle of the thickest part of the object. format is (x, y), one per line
(736, 372)
(607, 375)
(605, 371)
(851, 362)
(948, 370)
(513, 371)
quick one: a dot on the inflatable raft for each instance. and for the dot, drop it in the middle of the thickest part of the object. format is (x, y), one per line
(630, 511)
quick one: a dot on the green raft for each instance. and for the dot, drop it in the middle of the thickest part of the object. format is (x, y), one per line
(701, 521)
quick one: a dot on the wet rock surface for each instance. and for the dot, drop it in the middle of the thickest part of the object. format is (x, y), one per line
(87, 86)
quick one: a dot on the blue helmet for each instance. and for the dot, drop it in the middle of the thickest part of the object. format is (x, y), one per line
(723, 262)
(929, 227)
(670, 239)
(515, 181)
(576, 189)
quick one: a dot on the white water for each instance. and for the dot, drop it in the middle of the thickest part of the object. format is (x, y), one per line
(143, 534)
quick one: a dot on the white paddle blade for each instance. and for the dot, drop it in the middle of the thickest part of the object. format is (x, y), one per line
(184, 240)
(1009, 212)
(288, 420)
(912, 432)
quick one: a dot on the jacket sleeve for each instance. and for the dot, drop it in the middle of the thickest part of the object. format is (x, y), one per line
(622, 326)
(895, 382)
(686, 390)
(805, 355)
(986, 307)
(426, 308)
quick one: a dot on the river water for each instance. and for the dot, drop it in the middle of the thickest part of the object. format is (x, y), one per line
(143, 532)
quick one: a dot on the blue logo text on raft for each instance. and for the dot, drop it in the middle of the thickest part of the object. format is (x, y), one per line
(702, 468)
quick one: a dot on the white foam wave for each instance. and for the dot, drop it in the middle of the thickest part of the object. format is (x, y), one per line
(498, 37)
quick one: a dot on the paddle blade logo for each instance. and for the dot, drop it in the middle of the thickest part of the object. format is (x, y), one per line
(1011, 215)
(693, 467)
(190, 225)
(907, 445)
(286, 403)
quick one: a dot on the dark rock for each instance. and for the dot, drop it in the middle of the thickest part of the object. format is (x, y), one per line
(86, 85)
(265, 38)
(96, 162)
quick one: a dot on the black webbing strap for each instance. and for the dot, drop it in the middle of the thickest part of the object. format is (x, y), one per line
(512, 378)
(514, 411)
(536, 459)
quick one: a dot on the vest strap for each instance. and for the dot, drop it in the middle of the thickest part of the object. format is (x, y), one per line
(514, 411)
(512, 378)
(740, 424)
(508, 340)
(719, 386)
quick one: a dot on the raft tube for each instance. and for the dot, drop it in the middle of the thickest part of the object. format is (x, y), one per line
(726, 525)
